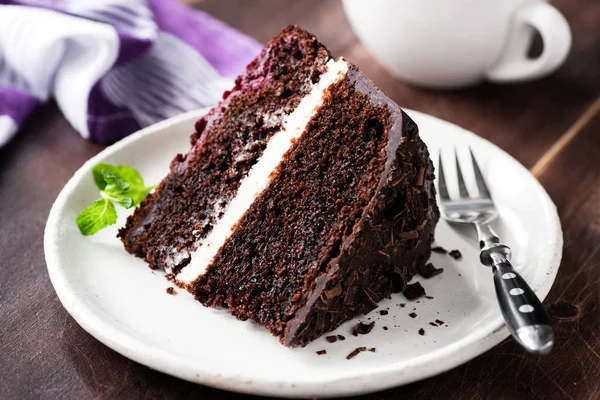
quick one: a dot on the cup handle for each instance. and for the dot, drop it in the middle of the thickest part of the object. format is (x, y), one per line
(513, 65)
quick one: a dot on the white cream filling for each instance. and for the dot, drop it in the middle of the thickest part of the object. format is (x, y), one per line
(258, 177)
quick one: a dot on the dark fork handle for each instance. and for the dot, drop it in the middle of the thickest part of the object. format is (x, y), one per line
(523, 312)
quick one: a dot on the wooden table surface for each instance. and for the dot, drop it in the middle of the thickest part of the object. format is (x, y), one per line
(551, 126)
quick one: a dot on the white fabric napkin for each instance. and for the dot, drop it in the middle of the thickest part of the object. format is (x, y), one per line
(113, 66)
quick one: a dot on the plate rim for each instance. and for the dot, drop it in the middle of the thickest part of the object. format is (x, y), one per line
(161, 360)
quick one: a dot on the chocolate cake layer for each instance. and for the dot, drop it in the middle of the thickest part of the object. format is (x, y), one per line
(307, 256)
(306, 198)
(169, 224)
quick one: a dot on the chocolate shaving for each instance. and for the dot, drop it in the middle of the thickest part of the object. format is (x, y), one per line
(439, 322)
(439, 249)
(385, 256)
(422, 224)
(414, 291)
(333, 292)
(362, 328)
(420, 178)
(321, 352)
(409, 235)
(422, 332)
(383, 312)
(350, 294)
(341, 337)
(331, 339)
(455, 254)
(355, 352)
(429, 297)
(372, 349)
(369, 303)
(170, 290)
(412, 315)
(320, 324)
(402, 305)
(432, 324)
(385, 328)
(397, 280)
(429, 271)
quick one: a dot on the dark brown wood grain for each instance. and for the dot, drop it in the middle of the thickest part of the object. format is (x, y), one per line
(45, 354)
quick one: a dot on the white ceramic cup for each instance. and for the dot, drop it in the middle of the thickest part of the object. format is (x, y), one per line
(456, 43)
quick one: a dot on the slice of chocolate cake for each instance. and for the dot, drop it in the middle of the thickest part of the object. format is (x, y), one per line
(306, 198)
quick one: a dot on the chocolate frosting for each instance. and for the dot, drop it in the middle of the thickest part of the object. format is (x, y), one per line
(388, 244)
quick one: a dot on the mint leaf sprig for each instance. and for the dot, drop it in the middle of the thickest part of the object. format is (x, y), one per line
(117, 183)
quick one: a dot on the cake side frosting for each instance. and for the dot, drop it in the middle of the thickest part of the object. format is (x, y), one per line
(389, 243)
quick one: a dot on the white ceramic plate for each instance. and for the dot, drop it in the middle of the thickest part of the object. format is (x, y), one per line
(120, 301)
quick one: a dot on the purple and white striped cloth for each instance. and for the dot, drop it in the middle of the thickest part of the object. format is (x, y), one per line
(113, 66)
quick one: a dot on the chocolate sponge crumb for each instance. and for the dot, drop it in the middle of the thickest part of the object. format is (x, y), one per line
(321, 352)
(170, 290)
(362, 328)
(355, 352)
(456, 254)
(413, 291)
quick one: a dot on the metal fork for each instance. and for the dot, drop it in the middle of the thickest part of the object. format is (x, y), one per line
(523, 312)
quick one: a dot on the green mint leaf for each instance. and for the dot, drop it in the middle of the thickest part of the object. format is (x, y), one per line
(124, 185)
(129, 175)
(129, 197)
(98, 216)
(119, 184)
(126, 202)
(115, 182)
(141, 195)
(119, 176)
(98, 175)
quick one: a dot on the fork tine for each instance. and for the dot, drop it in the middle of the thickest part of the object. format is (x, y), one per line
(483, 189)
(442, 180)
(462, 188)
